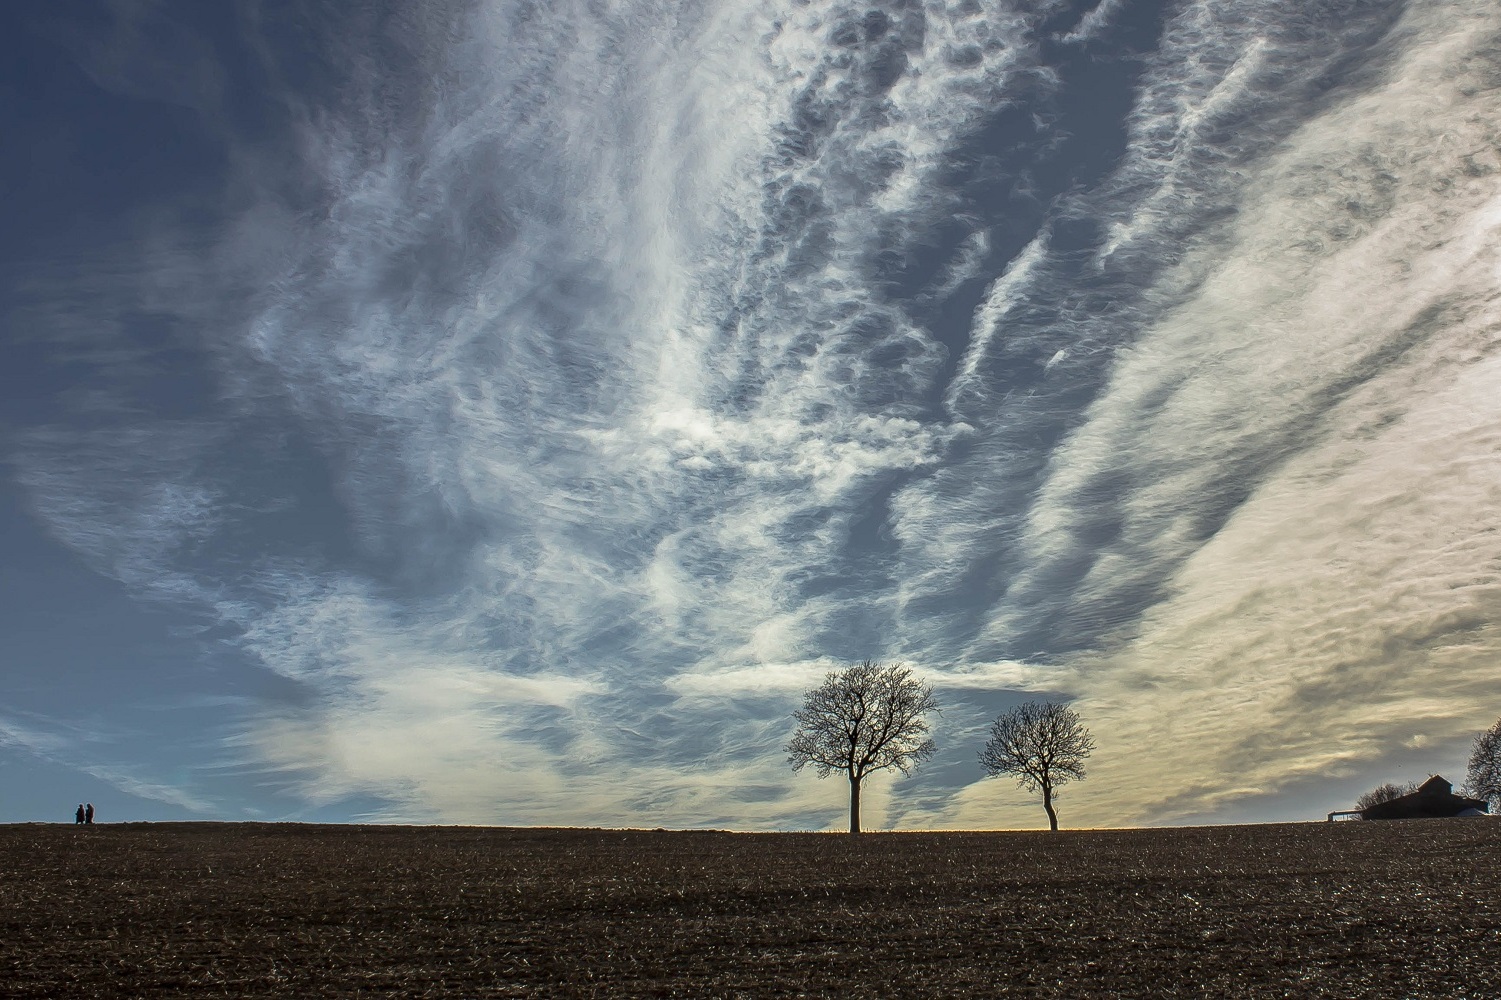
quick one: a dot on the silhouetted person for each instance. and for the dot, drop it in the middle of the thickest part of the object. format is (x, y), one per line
(88, 813)
(80, 815)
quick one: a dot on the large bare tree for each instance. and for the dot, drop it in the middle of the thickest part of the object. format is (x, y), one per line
(1043, 745)
(1483, 779)
(866, 718)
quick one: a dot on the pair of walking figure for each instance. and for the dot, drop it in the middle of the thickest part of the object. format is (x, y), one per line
(85, 814)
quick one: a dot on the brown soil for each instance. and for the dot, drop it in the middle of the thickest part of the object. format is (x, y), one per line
(1404, 909)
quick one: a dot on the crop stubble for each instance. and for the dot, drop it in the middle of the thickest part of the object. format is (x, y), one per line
(1407, 909)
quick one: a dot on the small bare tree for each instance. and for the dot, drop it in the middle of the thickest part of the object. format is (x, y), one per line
(1483, 779)
(1043, 745)
(1384, 793)
(863, 719)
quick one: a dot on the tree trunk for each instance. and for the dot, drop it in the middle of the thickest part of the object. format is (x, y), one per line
(854, 803)
(1047, 803)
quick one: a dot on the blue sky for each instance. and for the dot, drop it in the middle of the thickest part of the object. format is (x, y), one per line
(499, 412)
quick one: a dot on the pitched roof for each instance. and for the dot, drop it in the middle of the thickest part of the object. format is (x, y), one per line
(1436, 785)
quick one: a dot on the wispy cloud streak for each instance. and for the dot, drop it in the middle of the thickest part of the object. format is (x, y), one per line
(573, 386)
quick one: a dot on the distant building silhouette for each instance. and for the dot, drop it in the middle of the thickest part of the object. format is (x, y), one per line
(1434, 798)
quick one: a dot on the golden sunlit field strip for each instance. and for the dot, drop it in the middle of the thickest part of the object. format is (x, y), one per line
(1407, 909)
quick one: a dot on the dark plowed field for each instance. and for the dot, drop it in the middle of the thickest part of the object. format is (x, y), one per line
(1408, 909)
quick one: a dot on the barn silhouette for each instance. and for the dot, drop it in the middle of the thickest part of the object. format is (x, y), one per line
(1434, 798)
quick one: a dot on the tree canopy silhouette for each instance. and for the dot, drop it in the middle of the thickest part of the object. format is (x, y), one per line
(1483, 778)
(862, 719)
(1384, 792)
(1043, 745)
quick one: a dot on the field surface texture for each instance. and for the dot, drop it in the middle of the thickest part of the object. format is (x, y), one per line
(1406, 909)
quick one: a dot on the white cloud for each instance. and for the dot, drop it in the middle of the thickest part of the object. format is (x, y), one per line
(1308, 437)
(1095, 22)
(588, 320)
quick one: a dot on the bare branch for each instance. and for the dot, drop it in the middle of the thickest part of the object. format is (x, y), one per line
(1043, 745)
(1483, 778)
(866, 718)
(1384, 793)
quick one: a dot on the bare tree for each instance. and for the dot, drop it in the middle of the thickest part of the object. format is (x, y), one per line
(1483, 779)
(1043, 745)
(863, 719)
(1384, 793)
